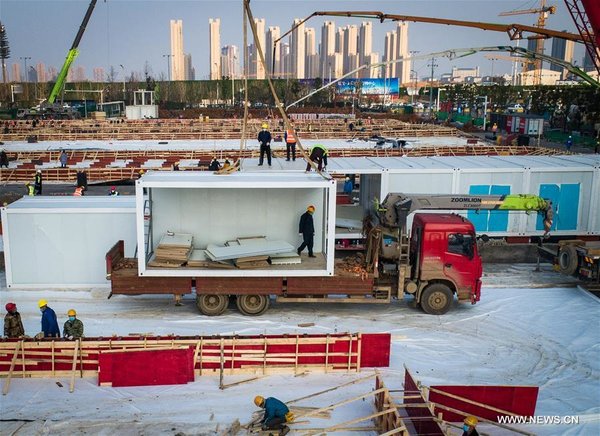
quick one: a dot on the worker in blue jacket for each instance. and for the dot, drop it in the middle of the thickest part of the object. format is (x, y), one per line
(276, 414)
(49, 323)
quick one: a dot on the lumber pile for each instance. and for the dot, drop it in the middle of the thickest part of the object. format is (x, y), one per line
(173, 250)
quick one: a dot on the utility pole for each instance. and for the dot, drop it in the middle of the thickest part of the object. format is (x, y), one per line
(124, 90)
(432, 65)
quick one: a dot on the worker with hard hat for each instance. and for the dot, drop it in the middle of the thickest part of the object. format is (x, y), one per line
(469, 425)
(276, 414)
(30, 189)
(307, 230)
(264, 139)
(73, 328)
(290, 143)
(113, 191)
(214, 165)
(318, 154)
(38, 182)
(3, 158)
(49, 323)
(13, 327)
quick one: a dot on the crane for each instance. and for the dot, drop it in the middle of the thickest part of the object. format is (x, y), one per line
(50, 108)
(586, 16)
(71, 55)
(543, 12)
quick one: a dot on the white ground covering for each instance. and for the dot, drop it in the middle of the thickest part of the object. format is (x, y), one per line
(217, 145)
(548, 337)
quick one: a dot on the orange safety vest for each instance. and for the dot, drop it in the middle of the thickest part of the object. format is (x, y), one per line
(290, 137)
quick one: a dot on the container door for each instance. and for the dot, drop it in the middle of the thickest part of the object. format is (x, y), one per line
(459, 260)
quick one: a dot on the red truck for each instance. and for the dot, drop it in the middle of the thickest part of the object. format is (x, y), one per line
(440, 260)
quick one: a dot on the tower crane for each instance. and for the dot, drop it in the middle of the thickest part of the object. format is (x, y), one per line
(543, 12)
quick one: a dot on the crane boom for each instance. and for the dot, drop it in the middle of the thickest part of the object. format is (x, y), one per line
(396, 207)
(71, 55)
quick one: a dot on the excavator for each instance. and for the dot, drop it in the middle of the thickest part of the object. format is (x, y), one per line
(50, 108)
(440, 258)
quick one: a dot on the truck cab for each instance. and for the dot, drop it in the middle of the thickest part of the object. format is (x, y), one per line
(444, 261)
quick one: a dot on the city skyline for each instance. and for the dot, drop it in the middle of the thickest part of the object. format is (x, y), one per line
(105, 45)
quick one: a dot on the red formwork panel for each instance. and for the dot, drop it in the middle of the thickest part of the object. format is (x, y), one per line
(419, 417)
(146, 368)
(518, 400)
(375, 350)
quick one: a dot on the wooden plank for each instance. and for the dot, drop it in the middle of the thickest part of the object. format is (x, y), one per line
(353, 382)
(342, 403)
(12, 367)
(75, 352)
(338, 427)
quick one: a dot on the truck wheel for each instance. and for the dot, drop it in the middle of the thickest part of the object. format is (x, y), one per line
(436, 299)
(212, 304)
(252, 304)
(567, 260)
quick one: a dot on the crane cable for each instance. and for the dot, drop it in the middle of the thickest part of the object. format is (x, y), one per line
(261, 55)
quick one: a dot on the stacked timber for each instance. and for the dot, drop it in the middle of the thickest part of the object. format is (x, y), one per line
(173, 250)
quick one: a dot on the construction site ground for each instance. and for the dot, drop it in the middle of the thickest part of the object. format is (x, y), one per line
(525, 331)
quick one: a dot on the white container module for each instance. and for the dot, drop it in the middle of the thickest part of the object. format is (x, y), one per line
(571, 182)
(235, 215)
(61, 242)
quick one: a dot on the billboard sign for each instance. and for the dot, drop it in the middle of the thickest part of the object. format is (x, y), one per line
(368, 86)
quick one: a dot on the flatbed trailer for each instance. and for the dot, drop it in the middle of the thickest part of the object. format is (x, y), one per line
(252, 294)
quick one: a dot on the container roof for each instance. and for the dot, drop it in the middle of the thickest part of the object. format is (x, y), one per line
(449, 163)
(124, 203)
(240, 179)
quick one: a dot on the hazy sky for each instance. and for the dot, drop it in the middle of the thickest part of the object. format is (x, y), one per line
(131, 32)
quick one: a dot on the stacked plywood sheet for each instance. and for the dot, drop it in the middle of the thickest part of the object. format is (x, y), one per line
(173, 250)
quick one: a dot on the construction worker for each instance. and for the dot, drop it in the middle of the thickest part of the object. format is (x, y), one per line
(49, 324)
(78, 191)
(290, 143)
(264, 139)
(214, 165)
(470, 423)
(113, 191)
(30, 189)
(307, 230)
(3, 158)
(13, 327)
(348, 187)
(73, 328)
(38, 182)
(176, 166)
(318, 154)
(276, 414)
(569, 143)
(495, 129)
(63, 159)
(140, 173)
(227, 163)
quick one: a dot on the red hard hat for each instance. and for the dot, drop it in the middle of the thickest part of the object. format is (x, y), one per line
(10, 307)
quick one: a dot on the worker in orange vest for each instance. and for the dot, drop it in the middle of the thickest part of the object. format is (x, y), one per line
(290, 143)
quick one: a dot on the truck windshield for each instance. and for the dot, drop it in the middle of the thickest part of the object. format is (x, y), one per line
(460, 243)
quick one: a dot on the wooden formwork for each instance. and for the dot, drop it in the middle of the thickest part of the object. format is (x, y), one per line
(214, 355)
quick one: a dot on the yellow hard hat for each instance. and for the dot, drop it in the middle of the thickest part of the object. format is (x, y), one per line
(258, 401)
(72, 312)
(471, 421)
(265, 125)
(42, 303)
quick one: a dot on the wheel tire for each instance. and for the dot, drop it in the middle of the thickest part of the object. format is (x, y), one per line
(252, 305)
(436, 299)
(212, 304)
(568, 260)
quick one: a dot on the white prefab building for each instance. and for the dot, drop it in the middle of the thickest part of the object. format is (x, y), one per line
(61, 242)
(571, 182)
(215, 209)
